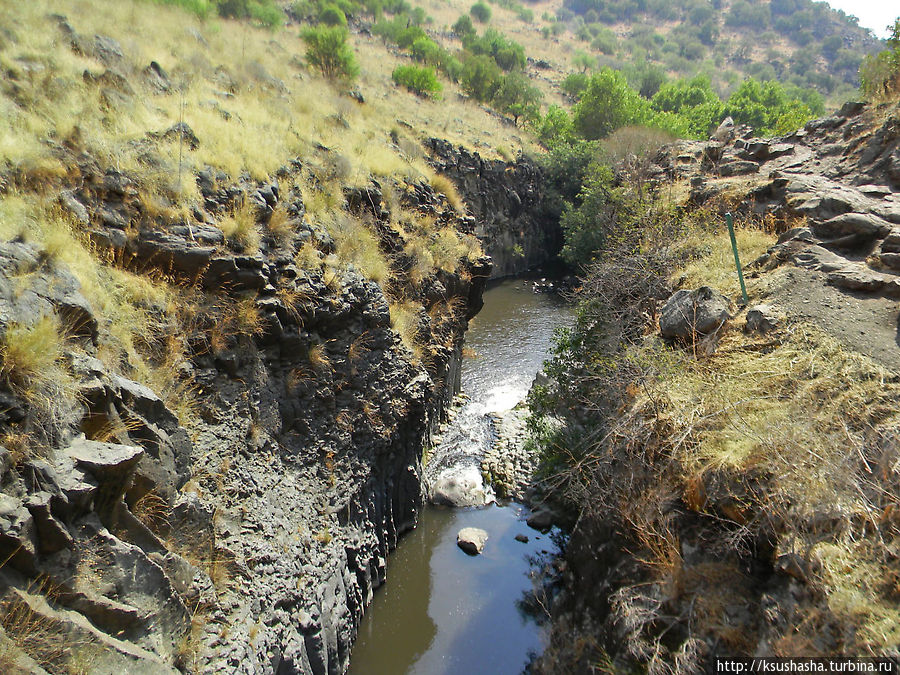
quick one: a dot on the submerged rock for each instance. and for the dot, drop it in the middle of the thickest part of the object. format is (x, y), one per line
(471, 540)
(541, 520)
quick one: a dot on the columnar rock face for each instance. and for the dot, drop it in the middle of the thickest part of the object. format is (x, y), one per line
(250, 535)
(507, 201)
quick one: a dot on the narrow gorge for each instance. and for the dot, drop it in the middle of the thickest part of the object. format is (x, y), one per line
(358, 336)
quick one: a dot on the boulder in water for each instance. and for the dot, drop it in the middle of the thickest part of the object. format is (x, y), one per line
(471, 540)
(460, 487)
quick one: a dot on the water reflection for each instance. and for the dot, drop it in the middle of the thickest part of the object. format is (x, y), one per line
(475, 602)
(441, 611)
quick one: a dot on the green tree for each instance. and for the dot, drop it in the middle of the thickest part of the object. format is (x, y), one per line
(327, 50)
(507, 53)
(427, 50)
(516, 96)
(601, 212)
(694, 100)
(480, 77)
(584, 61)
(575, 84)
(481, 12)
(767, 107)
(331, 15)
(607, 104)
(555, 127)
(263, 11)
(879, 75)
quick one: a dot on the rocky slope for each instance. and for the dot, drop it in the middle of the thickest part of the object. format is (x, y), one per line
(831, 191)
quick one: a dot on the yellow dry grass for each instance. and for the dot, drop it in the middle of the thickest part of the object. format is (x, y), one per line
(806, 413)
(712, 258)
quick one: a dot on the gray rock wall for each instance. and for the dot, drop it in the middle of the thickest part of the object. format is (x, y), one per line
(506, 201)
(272, 513)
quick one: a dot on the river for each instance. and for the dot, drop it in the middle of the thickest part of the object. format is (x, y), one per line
(442, 611)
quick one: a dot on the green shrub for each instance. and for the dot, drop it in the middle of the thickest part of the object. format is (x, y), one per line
(481, 12)
(426, 50)
(555, 127)
(507, 53)
(574, 84)
(399, 31)
(694, 100)
(421, 81)
(331, 15)
(327, 50)
(464, 26)
(202, 8)
(763, 104)
(607, 104)
(517, 97)
(265, 12)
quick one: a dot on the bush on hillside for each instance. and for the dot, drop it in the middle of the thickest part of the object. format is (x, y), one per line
(481, 12)
(464, 26)
(400, 31)
(606, 104)
(331, 15)
(516, 96)
(763, 104)
(327, 50)
(480, 77)
(694, 100)
(265, 12)
(555, 127)
(420, 81)
(575, 84)
(507, 53)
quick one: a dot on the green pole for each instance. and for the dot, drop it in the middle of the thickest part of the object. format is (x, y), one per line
(737, 259)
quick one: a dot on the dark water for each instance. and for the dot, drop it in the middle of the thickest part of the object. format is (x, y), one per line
(442, 611)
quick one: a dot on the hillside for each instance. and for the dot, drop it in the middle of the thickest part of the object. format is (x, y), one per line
(232, 298)
(803, 43)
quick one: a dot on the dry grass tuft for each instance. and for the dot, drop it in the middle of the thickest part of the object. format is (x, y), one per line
(279, 225)
(445, 186)
(30, 354)
(32, 633)
(358, 246)
(319, 359)
(153, 511)
(241, 229)
(405, 321)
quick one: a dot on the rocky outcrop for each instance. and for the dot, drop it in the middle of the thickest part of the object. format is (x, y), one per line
(832, 189)
(472, 540)
(506, 199)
